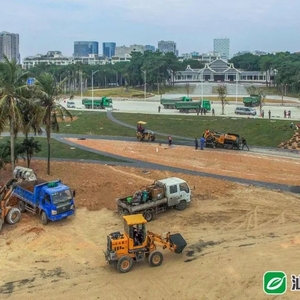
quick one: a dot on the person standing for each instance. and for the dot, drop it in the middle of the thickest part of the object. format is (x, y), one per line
(196, 144)
(289, 114)
(202, 142)
(284, 114)
(269, 112)
(159, 109)
(244, 144)
(170, 140)
(213, 112)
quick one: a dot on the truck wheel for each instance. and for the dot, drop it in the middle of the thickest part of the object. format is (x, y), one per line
(13, 216)
(181, 205)
(21, 206)
(124, 264)
(155, 259)
(44, 218)
(148, 215)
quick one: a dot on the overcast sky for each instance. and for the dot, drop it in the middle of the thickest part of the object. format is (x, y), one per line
(43, 25)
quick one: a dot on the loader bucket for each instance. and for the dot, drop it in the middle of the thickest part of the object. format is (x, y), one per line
(178, 241)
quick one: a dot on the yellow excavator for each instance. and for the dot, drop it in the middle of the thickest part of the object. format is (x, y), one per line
(9, 213)
(136, 244)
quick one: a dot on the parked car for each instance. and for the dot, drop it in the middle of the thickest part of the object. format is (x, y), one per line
(71, 104)
(245, 111)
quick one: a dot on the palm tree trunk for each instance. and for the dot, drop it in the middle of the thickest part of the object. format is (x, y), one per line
(12, 145)
(48, 152)
(48, 133)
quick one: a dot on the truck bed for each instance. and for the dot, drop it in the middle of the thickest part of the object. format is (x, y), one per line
(122, 203)
(25, 191)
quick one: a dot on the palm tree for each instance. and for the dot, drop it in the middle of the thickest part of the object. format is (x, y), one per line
(13, 92)
(49, 92)
(31, 146)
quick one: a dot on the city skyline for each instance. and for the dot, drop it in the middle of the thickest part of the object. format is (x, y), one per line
(268, 25)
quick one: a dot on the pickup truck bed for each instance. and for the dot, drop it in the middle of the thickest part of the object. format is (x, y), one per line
(134, 208)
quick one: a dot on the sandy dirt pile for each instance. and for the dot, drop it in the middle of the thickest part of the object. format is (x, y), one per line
(235, 233)
(293, 143)
(240, 164)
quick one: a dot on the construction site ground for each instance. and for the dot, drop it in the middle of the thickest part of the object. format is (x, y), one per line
(235, 233)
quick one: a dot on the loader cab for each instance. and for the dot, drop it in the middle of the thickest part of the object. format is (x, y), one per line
(135, 230)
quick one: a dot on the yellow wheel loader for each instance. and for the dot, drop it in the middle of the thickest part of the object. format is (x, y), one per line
(136, 244)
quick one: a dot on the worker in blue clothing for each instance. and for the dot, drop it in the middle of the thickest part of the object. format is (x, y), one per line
(202, 142)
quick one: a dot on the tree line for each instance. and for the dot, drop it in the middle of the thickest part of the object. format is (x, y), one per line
(28, 108)
(156, 69)
(285, 66)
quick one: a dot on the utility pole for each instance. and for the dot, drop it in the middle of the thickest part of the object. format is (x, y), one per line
(81, 85)
(145, 84)
(236, 87)
(93, 87)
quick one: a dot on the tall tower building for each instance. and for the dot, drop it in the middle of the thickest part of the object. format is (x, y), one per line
(85, 48)
(167, 46)
(109, 49)
(9, 46)
(221, 47)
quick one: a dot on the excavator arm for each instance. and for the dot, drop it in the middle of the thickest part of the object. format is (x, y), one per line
(20, 174)
(174, 242)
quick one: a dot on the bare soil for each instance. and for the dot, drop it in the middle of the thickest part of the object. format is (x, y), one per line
(235, 233)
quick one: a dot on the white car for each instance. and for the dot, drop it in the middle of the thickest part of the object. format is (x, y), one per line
(71, 104)
(245, 111)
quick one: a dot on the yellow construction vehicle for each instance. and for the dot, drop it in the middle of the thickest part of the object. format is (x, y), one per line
(223, 140)
(143, 134)
(136, 244)
(9, 214)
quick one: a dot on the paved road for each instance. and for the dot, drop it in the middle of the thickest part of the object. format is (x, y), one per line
(151, 107)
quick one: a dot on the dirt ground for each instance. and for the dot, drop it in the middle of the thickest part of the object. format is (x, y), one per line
(235, 233)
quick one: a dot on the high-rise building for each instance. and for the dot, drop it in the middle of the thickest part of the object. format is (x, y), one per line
(84, 48)
(9, 46)
(123, 51)
(167, 46)
(109, 49)
(150, 48)
(221, 47)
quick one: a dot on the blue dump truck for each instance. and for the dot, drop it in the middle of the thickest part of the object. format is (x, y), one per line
(52, 201)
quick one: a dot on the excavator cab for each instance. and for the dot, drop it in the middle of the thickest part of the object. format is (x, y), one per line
(135, 230)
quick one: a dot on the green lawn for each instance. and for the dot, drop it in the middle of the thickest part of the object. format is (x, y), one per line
(62, 150)
(95, 123)
(258, 132)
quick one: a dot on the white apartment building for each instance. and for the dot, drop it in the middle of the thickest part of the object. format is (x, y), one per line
(56, 58)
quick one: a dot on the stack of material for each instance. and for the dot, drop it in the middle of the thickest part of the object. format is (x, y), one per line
(293, 143)
(157, 193)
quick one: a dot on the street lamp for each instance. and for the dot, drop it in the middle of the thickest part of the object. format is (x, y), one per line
(81, 85)
(236, 87)
(202, 81)
(93, 72)
(145, 84)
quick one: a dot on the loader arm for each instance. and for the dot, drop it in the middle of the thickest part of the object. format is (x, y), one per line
(174, 242)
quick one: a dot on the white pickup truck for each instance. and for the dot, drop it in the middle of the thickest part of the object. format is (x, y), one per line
(162, 195)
